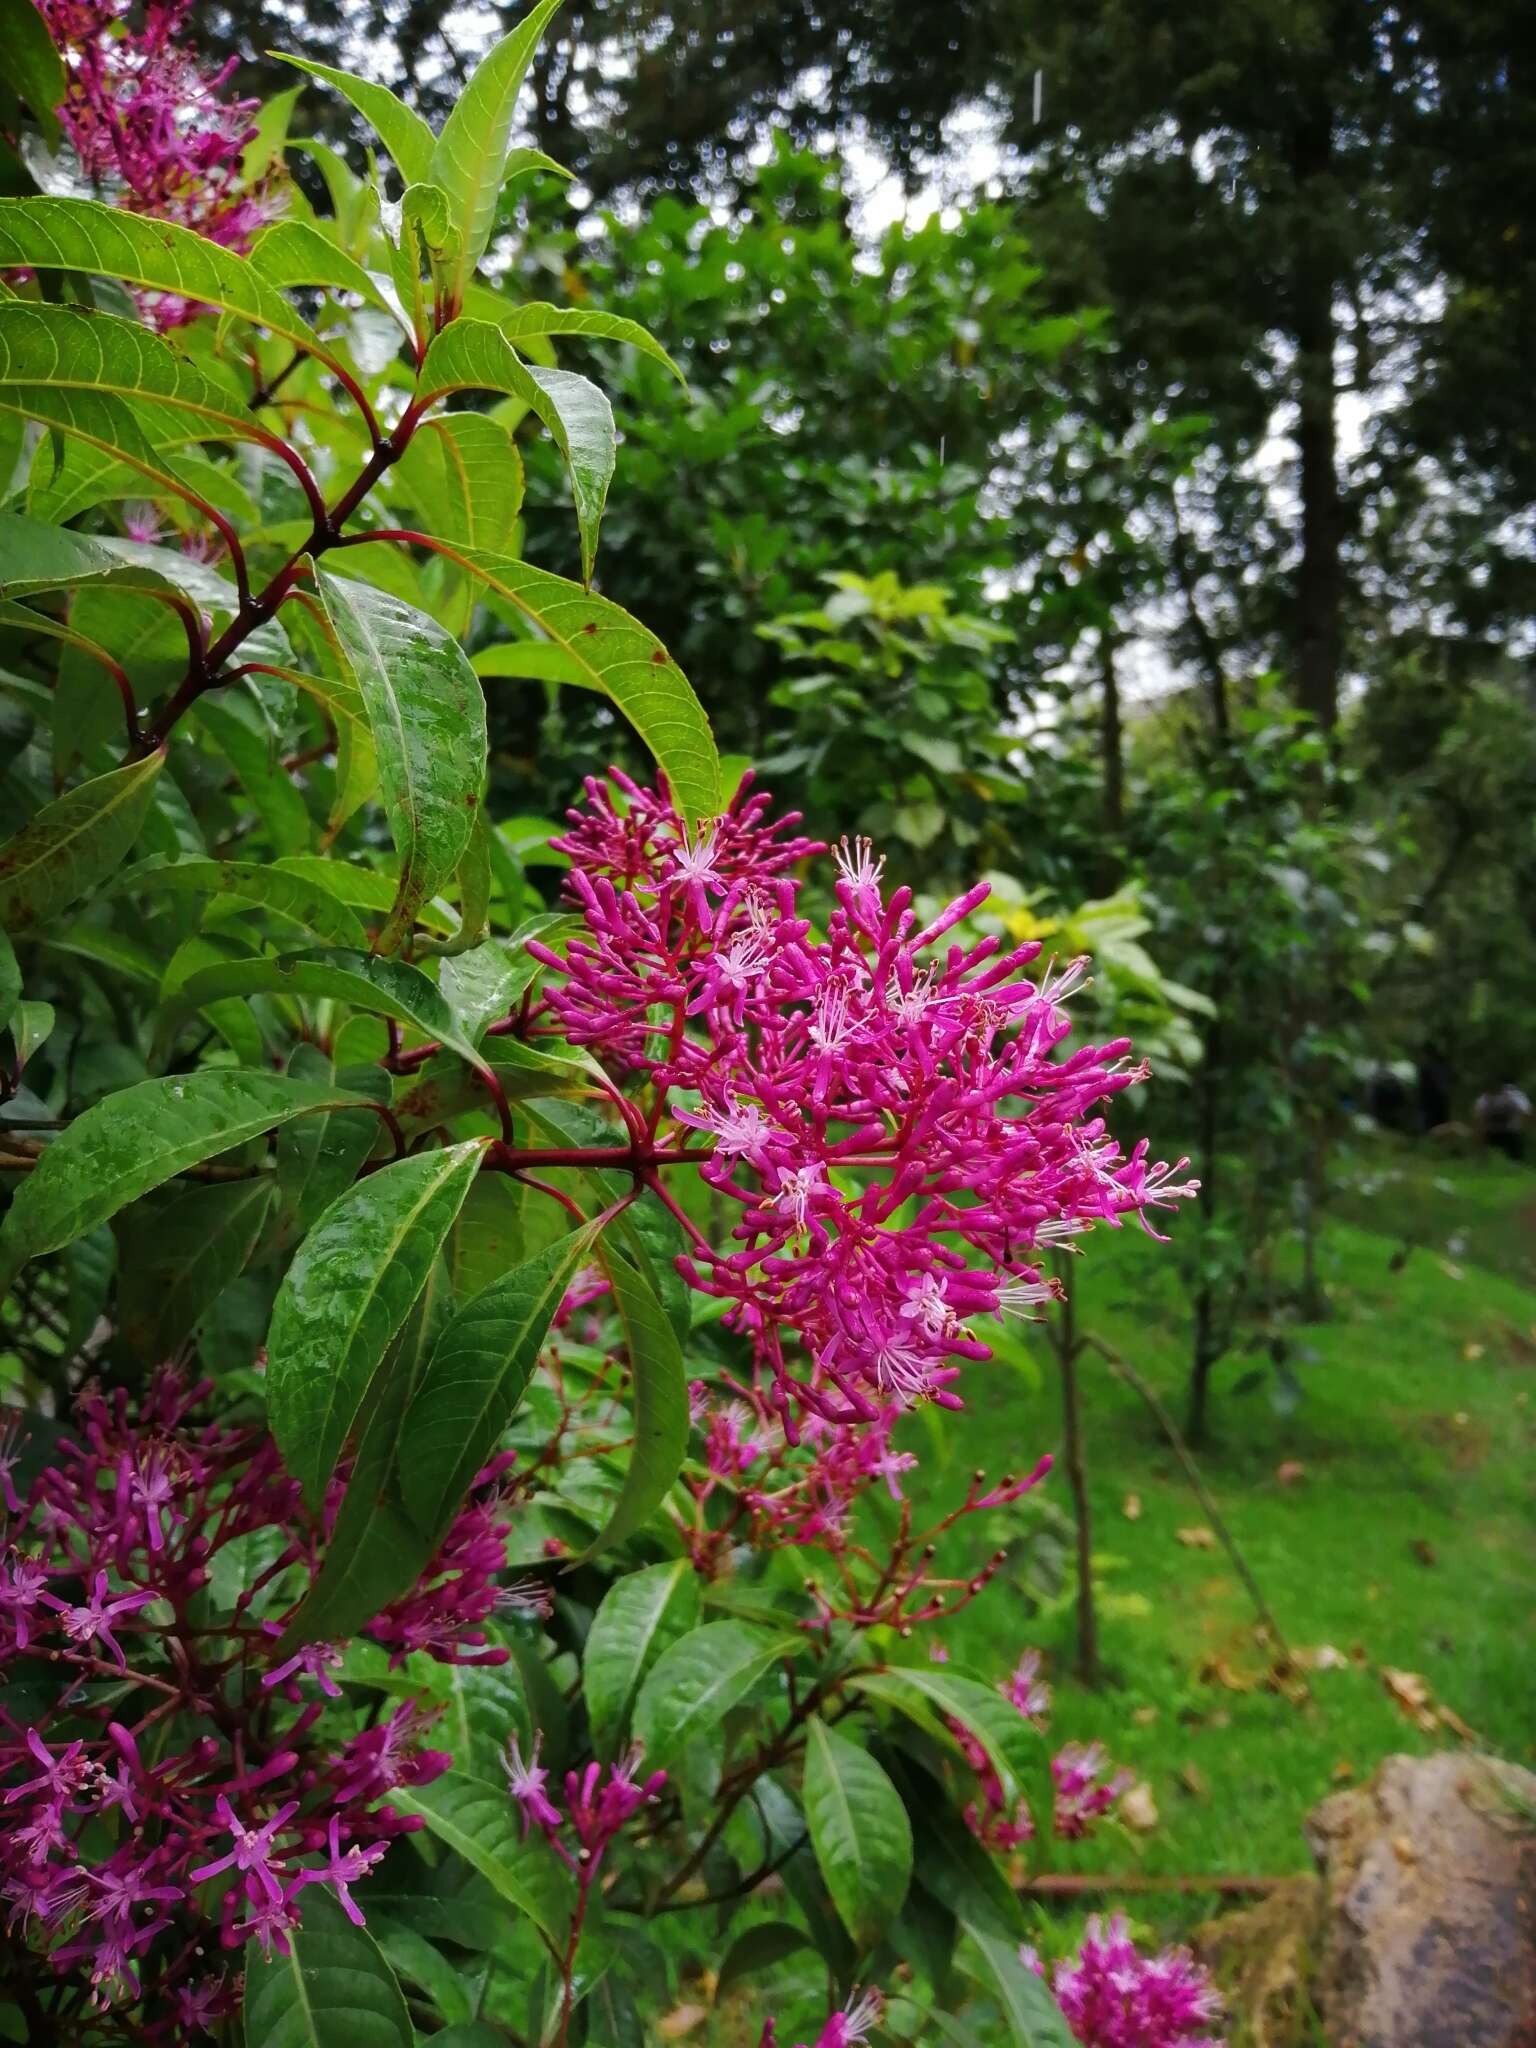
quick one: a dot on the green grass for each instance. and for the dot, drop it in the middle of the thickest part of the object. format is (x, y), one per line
(1406, 1541)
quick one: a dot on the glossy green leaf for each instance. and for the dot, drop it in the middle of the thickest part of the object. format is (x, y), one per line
(476, 1376)
(333, 1990)
(760, 1947)
(353, 1282)
(658, 1397)
(242, 730)
(472, 355)
(137, 1139)
(697, 1681)
(466, 476)
(10, 980)
(605, 649)
(1033, 2017)
(177, 1256)
(387, 988)
(73, 844)
(294, 253)
(35, 66)
(469, 160)
(318, 1156)
(375, 1553)
(519, 322)
(400, 128)
(73, 369)
(1012, 1745)
(427, 717)
(476, 1819)
(483, 983)
(154, 255)
(642, 1614)
(272, 888)
(859, 1830)
(31, 1026)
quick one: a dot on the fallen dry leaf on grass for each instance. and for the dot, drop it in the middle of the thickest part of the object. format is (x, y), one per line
(1193, 1779)
(1138, 1809)
(1290, 1472)
(1197, 1539)
(1413, 1695)
(1130, 1507)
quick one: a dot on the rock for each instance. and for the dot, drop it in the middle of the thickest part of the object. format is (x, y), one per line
(1429, 1934)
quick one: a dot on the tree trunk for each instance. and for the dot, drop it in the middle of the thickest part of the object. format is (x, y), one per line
(1067, 1350)
(1207, 1342)
(1319, 582)
(1111, 740)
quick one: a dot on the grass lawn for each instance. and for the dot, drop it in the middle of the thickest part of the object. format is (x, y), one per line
(1405, 1541)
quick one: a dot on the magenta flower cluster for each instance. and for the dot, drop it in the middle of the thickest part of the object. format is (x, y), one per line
(599, 1804)
(1112, 1996)
(145, 1579)
(893, 1111)
(845, 2028)
(1081, 1793)
(152, 128)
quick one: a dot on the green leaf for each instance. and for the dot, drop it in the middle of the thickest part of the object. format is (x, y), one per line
(483, 983)
(353, 1282)
(472, 355)
(642, 1614)
(386, 988)
(415, 1961)
(760, 1947)
(333, 1990)
(274, 889)
(74, 369)
(31, 1026)
(696, 1682)
(10, 981)
(36, 68)
(1012, 1746)
(138, 1139)
(294, 253)
(517, 322)
(318, 1156)
(74, 843)
(1033, 2016)
(859, 1830)
(426, 713)
(400, 128)
(177, 1256)
(475, 1379)
(469, 160)
(154, 255)
(659, 1397)
(465, 476)
(605, 649)
(476, 1820)
(374, 1553)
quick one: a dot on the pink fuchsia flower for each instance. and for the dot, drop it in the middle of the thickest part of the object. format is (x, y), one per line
(1112, 1996)
(526, 1782)
(894, 1112)
(151, 127)
(845, 2028)
(600, 1807)
(93, 1622)
(252, 1851)
(341, 1869)
(1080, 1797)
(1027, 1690)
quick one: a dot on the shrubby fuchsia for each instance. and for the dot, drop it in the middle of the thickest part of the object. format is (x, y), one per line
(1112, 1996)
(163, 1555)
(152, 128)
(894, 1110)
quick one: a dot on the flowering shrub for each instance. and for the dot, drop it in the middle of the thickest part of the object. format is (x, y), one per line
(463, 1558)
